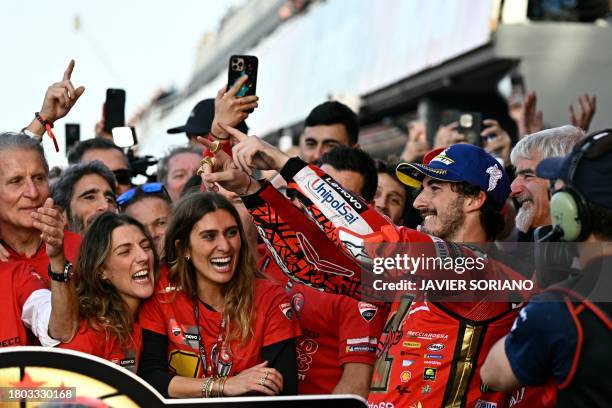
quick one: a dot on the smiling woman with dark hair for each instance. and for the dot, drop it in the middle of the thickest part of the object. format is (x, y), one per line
(216, 329)
(117, 269)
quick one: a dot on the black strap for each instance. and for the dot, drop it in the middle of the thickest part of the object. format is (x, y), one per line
(153, 366)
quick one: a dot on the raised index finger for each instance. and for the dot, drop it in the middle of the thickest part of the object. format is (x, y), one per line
(68, 71)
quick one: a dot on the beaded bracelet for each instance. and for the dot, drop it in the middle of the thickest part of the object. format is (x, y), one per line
(48, 126)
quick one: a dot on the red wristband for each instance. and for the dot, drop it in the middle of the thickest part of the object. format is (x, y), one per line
(48, 126)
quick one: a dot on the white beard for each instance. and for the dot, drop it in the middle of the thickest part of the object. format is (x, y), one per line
(524, 217)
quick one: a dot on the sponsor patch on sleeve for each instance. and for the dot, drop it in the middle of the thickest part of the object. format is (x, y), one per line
(367, 311)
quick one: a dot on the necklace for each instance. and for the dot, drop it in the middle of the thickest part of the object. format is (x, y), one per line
(212, 367)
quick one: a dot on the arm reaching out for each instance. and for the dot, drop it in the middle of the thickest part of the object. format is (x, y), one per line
(64, 313)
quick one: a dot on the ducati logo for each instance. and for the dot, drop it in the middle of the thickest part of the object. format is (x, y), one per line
(367, 311)
(286, 309)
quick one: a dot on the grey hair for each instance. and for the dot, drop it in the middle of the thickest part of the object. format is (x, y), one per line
(63, 188)
(21, 141)
(554, 142)
(162, 165)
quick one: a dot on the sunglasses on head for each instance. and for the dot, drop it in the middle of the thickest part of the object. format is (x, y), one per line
(123, 176)
(149, 188)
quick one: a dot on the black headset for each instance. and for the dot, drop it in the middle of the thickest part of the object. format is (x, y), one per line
(569, 210)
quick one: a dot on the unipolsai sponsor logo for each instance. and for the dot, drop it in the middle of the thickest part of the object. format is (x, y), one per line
(352, 200)
(329, 198)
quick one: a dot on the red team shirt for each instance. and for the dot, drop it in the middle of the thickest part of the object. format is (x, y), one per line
(107, 346)
(40, 260)
(171, 313)
(336, 330)
(18, 280)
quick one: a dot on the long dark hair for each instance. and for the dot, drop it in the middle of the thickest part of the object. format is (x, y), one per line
(238, 292)
(100, 303)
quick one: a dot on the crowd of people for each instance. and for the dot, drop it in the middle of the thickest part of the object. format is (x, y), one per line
(214, 281)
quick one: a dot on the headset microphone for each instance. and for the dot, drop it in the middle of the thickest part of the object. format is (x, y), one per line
(553, 260)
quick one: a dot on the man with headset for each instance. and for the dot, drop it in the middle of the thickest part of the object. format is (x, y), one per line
(565, 334)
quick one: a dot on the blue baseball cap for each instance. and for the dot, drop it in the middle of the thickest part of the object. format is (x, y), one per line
(591, 164)
(457, 163)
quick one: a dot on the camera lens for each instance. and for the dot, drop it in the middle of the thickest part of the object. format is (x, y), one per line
(466, 120)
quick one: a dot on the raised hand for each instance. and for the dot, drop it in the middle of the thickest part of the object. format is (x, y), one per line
(588, 105)
(530, 118)
(417, 144)
(500, 143)
(259, 379)
(221, 170)
(48, 220)
(232, 110)
(448, 135)
(251, 152)
(61, 97)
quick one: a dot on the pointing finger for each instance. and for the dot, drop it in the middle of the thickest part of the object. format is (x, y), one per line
(68, 71)
(240, 137)
(205, 142)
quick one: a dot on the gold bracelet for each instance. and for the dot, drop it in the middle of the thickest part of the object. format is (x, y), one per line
(205, 387)
(219, 387)
(223, 385)
(210, 387)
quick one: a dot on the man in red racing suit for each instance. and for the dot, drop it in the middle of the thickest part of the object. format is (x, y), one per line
(430, 352)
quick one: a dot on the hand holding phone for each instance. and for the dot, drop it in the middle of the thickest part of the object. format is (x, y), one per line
(239, 66)
(231, 110)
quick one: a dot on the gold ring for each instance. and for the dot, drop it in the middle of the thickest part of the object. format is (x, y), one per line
(262, 381)
(216, 145)
(208, 160)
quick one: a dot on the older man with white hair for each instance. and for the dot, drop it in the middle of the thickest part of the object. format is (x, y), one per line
(531, 191)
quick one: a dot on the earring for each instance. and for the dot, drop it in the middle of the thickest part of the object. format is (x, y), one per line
(187, 258)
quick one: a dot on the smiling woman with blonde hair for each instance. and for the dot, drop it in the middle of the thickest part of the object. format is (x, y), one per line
(216, 328)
